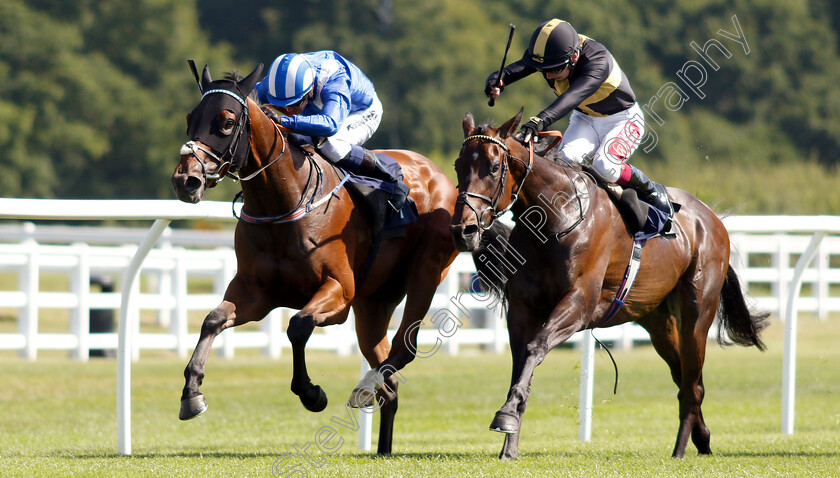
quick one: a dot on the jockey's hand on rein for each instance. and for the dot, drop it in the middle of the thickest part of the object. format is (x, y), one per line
(530, 129)
(272, 115)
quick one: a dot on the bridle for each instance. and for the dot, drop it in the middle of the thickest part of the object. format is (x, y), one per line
(241, 132)
(491, 211)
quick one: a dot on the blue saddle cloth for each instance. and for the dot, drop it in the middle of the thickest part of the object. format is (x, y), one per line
(367, 185)
(657, 223)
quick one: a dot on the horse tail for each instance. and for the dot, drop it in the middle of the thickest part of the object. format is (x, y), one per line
(734, 315)
(490, 263)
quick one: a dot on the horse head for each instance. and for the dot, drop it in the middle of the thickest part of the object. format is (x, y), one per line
(218, 129)
(487, 187)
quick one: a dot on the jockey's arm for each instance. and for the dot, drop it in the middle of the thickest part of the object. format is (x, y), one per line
(594, 72)
(323, 120)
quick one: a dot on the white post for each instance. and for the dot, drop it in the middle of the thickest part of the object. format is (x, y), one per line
(365, 417)
(499, 330)
(178, 321)
(272, 325)
(80, 316)
(164, 317)
(220, 284)
(587, 380)
(125, 345)
(789, 362)
(28, 324)
(821, 286)
(781, 262)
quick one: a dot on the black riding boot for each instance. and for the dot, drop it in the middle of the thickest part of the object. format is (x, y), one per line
(364, 162)
(373, 168)
(653, 193)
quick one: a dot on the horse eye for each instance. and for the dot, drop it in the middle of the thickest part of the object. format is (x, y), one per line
(495, 168)
(229, 123)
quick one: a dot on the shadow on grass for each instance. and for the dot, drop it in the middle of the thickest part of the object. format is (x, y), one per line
(578, 454)
(422, 455)
(780, 454)
(182, 454)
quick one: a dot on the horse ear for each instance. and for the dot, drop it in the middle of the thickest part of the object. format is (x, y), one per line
(468, 124)
(205, 78)
(247, 83)
(508, 128)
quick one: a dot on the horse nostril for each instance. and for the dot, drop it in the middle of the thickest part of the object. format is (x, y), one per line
(470, 229)
(192, 184)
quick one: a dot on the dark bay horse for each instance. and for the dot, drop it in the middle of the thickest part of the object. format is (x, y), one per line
(566, 257)
(311, 253)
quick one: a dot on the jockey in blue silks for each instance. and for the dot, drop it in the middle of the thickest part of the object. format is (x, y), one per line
(324, 96)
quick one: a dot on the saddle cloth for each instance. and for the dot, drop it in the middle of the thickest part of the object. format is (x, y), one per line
(374, 195)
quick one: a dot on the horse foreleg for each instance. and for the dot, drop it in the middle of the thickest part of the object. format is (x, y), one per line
(192, 401)
(564, 320)
(520, 333)
(242, 303)
(327, 307)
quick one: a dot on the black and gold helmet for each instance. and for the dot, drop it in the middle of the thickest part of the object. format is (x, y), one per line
(552, 45)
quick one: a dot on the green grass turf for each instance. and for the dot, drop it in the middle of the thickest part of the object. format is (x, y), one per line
(58, 416)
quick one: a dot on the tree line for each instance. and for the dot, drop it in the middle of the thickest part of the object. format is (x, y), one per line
(741, 95)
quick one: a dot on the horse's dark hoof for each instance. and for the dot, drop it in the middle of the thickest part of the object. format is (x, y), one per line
(314, 399)
(192, 407)
(504, 422)
(505, 457)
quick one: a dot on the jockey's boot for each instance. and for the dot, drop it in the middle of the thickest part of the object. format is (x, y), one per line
(364, 162)
(652, 193)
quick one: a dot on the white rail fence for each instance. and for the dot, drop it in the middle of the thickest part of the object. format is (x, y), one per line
(764, 262)
(30, 252)
(764, 250)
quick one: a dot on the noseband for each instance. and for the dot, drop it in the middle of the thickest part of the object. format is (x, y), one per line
(491, 211)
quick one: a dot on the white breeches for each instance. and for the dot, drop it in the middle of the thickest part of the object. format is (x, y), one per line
(356, 130)
(606, 142)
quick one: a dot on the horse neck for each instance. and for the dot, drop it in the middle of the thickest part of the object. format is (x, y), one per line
(552, 188)
(278, 188)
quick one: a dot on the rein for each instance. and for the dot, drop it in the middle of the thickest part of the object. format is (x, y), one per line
(300, 210)
(279, 131)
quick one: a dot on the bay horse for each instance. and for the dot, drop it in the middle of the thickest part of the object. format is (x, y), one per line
(566, 257)
(310, 244)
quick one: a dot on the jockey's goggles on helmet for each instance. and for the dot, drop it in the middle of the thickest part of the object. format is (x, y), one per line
(558, 68)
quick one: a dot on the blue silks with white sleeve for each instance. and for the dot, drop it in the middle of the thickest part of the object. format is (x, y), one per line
(340, 88)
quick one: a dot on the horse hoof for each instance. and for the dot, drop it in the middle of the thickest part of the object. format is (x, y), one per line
(314, 399)
(192, 407)
(505, 422)
(361, 398)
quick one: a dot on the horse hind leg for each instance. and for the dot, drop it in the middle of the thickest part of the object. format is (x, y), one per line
(665, 338)
(696, 317)
(372, 318)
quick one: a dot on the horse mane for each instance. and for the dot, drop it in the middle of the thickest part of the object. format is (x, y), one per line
(489, 260)
(484, 127)
(234, 75)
